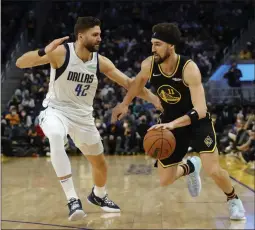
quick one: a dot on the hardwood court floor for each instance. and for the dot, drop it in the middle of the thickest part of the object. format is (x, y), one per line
(32, 197)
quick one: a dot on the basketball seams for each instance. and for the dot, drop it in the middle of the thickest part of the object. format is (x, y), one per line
(152, 145)
(167, 142)
(166, 138)
(152, 136)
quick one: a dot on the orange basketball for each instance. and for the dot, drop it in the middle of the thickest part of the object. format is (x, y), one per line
(159, 143)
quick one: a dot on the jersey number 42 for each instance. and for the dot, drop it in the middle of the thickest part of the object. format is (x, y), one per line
(81, 89)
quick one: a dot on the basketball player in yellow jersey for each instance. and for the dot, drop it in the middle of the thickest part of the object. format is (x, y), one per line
(75, 68)
(177, 81)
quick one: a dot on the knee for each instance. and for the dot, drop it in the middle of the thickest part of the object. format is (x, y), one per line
(56, 140)
(165, 181)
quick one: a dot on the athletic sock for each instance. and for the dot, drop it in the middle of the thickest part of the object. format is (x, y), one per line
(188, 168)
(100, 191)
(68, 187)
(231, 195)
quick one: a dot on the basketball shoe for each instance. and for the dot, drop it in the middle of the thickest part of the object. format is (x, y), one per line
(236, 209)
(193, 179)
(75, 208)
(105, 203)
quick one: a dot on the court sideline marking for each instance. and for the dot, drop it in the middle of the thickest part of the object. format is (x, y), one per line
(55, 225)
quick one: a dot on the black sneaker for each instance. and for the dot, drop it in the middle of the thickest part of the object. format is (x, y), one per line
(105, 203)
(76, 211)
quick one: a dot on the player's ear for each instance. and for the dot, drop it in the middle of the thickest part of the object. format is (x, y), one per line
(80, 35)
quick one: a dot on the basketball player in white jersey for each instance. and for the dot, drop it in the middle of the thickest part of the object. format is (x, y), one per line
(69, 106)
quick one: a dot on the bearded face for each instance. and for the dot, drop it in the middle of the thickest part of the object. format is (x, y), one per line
(91, 39)
(160, 50)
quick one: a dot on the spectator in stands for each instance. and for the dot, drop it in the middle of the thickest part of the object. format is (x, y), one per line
(233, 75)
(6, 130)
(248, 51)
(130, 137)
(6, 135)
(13, 117)
(28, 102)
(15, 101)
(25, 119)
(245, 54)
(203, 40)
(31, 25)
(113, 137)
(142, 128)
(247, 150)
(35, 140)
(226, 115)
(242, 135)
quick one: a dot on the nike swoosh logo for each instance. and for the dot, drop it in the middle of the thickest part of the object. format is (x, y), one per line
(99, 203)
(156, 74)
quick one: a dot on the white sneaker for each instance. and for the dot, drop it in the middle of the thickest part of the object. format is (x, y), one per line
(193, 179)
(236, 209)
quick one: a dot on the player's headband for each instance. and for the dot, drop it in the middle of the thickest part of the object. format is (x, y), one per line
(164, 37)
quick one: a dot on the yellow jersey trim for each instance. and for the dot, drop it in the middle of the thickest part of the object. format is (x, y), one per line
(152, 63)
(172, 74)
(169, 165)
(187, 62)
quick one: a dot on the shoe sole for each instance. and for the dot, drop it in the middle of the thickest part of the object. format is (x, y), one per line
(106, 209)
(77, 215)
(236, 219)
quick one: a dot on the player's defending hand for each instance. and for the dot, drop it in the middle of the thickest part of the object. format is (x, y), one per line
(169, 126)
(118, 112)
(54, 44)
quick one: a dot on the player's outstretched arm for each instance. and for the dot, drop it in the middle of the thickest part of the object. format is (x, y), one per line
(32, 58)
(138, 84)
(135, 88)
(108, 68)
(192, 78)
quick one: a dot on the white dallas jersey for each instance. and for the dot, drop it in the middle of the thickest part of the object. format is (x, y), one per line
(73, 86)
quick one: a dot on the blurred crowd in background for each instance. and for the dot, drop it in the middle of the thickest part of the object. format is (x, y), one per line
(126, 31)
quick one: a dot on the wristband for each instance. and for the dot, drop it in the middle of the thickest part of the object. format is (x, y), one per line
(41, 52)
(193, 115)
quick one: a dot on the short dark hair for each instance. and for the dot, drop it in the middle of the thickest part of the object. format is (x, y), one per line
(84, 23)
(171, 30)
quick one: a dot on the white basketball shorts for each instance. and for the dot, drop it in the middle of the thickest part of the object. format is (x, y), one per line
(51, 119)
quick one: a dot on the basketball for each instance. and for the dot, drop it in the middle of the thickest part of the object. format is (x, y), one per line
(159, 143)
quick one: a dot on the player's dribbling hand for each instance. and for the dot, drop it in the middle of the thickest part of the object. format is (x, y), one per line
(169, 126)
(54, 44)
(118, 112)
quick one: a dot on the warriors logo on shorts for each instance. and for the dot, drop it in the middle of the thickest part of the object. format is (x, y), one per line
(208, 141)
